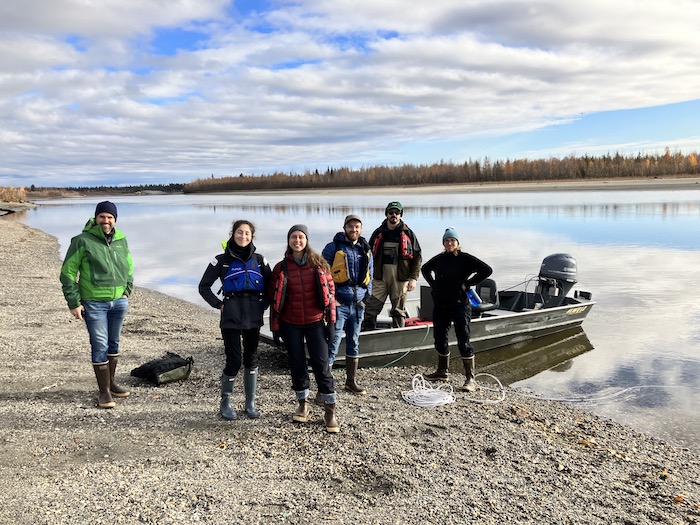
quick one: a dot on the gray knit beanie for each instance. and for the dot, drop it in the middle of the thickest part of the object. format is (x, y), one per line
(298, 227)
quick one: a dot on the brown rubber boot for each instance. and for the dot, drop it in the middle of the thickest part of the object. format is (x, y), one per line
(442, 372)
(302, 413)
(102, 374)
(114, 388)
(351, 364)
(330, 420)
(319, 399)
(398, 321)
(469, 384)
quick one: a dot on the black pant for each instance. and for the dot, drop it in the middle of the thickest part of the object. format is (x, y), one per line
(460, 314)
(314, 334)
(232, 348)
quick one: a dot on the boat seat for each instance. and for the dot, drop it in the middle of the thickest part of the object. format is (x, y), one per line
(488, 292)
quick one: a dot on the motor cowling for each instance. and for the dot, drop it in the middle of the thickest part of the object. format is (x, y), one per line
(558, 274)
(560, 266)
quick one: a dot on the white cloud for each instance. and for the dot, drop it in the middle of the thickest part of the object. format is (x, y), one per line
(325, 83)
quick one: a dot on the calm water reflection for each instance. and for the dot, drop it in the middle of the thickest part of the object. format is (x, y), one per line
(637, 251)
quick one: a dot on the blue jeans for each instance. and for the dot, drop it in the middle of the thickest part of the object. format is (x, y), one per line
(348, 318)
(104, 320)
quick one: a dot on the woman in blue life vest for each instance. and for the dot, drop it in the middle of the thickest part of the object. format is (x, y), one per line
(450, 274)
(302, 294)
(244, 275)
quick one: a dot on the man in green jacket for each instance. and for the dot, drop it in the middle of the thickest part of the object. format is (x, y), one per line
(97, 279)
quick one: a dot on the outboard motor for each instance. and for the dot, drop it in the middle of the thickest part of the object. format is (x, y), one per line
(557, 276)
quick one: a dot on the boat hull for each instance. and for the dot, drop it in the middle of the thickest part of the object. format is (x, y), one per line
(494, 329)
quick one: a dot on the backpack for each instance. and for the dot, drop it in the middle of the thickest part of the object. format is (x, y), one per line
(243, 277)
(339, 268)
(167, 369)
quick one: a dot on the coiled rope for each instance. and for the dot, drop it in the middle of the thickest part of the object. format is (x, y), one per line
(425, 395)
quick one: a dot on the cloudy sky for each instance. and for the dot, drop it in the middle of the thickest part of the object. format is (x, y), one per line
(156, 91)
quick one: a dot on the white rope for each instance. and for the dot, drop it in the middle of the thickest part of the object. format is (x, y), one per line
(424, 395)
(501, 389)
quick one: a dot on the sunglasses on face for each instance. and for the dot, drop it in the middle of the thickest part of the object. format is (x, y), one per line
(394, 213)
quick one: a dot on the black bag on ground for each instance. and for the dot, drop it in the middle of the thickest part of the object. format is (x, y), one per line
(167, 369)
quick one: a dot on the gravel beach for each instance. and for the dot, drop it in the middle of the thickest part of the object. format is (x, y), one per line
(164, 456)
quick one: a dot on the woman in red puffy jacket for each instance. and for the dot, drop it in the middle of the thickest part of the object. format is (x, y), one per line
(303, 309)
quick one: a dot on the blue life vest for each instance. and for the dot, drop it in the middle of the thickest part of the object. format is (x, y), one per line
(243, 277)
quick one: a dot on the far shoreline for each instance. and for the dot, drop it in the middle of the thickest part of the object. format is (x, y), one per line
(652, 184)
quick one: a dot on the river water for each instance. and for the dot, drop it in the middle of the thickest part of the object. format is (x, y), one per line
(638, 358)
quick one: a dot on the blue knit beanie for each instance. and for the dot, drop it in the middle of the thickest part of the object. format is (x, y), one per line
(107, 207)
(450, 233)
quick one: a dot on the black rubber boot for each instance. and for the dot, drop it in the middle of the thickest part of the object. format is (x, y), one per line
(351, 364)
(370, 323)
(469, 384)
(226, 410)
(442, 372)
(250, 385)
(114, 388)
(102, 374)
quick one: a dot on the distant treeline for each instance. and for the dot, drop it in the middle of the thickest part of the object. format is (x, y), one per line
(569, 168)
(51, 192)
(473, 171)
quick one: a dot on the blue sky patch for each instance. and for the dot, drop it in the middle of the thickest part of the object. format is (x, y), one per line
(169, 41)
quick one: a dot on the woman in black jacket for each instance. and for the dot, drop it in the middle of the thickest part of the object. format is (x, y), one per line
(244, 275)
(450, 274)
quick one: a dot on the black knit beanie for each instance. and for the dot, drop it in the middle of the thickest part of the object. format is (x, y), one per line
(106, 207)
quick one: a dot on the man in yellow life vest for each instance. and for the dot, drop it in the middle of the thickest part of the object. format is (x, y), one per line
(352, 265)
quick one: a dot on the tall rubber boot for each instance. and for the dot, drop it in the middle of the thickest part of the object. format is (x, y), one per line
(398, 321)
(370, 323)
(330, 420)
(102, 374)
(250, 385)
(351, 364)
(226, 410)
(302, 413)
(469, 384)
(442, 372)
(114, 388)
